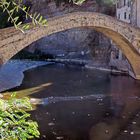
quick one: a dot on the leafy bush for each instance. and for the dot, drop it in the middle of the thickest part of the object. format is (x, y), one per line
(14, 120)
(12, 8)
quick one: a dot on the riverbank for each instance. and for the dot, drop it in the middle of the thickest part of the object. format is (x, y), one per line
(89, 65)
(108, 69)
(12, 73)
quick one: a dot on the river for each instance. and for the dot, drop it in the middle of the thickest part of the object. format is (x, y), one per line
(81, 104)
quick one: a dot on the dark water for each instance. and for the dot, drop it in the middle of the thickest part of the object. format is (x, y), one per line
(81, 104)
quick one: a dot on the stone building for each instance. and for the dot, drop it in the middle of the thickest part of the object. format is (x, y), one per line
(123, 10)
(127, 11)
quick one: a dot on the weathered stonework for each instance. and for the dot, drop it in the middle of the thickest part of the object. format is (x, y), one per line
(124, 35)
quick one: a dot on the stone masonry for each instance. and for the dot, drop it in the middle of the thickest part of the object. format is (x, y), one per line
(124, 35)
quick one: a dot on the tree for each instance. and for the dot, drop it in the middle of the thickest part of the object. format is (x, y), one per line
(12, 10)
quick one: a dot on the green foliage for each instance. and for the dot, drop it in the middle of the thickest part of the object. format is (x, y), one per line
(14, 120)
(12, 7)
(106, 2)
(10, 11)
(79, 2)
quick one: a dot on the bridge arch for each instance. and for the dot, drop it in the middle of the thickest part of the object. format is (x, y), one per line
(124, 35)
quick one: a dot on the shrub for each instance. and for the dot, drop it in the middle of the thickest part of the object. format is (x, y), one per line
(14, 120)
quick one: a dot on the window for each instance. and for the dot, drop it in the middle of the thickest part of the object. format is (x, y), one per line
(118, 5)
(119, 16)
(129, 3)
(125, 15)
(129, 16)
(124, 2)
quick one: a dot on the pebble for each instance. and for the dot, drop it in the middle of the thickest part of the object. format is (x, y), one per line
(59, 138)
(54, 133)
(133, 122)
(99, 99)
(44, 136)
(132, 133)
(101, 104)
(125, 131)
(106, 131)
(89, 115)
(107, 114)
(73, 113)
(47, 113)
(123, 117)
(82, 97)
(51, 124)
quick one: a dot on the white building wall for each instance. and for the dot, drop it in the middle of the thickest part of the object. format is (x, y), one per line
(123, 13)
(128, 12)
(123, 10)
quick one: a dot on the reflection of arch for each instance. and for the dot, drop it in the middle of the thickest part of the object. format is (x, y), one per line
(126, 37)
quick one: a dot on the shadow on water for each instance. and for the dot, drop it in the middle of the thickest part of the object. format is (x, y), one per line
(74, 103)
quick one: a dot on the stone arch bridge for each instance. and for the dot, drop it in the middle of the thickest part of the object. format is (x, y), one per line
(124, 35)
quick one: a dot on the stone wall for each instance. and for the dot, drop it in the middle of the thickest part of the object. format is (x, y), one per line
(123, 34)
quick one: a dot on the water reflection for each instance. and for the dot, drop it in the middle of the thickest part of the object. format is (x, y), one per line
(83, 104)
(27, 92)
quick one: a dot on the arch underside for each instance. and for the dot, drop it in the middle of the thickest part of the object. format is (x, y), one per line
(94, 21)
